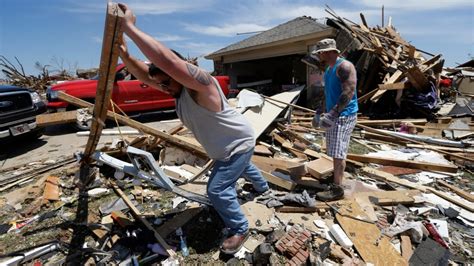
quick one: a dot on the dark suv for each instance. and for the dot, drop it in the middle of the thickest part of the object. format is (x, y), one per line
(18, 110)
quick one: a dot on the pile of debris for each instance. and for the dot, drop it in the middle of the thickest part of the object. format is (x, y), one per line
(394, 78)
(16, 75)
(135, 210)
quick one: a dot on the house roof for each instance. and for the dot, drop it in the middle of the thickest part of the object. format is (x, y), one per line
(297, 27)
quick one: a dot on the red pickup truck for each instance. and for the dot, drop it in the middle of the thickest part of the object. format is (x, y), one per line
(130, 94)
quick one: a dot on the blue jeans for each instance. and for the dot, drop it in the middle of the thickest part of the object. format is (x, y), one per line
(221, 189)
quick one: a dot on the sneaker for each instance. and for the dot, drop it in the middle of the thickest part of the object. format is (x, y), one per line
(335, 192)
(233, 243)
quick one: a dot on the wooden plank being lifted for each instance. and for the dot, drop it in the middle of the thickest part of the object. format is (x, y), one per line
(403, 163)
(108, 63)
(58, 118)
(135, 124)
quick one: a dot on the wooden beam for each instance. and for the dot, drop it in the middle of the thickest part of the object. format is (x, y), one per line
(178, 220)
(108, 63)
(417, 78)
(135, 124)
(403, 163)
(278, 181)
(58, 118)
(374, 130)
(458, 191)
(435, 147)
(137, 215)
(391, 178)
(394, 86)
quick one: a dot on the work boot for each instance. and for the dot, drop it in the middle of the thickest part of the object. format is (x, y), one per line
(233, 243)
(335, 192)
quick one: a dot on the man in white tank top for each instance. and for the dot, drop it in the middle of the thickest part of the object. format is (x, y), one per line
(224, 133)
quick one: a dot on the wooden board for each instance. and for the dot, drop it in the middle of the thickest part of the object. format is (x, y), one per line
(260, 119)
(283, 183)
(271, 164)
(137, 215)
(391, 198)
(391, 178)
(403, 163)
(108, 63)
(58, 118)
(364, 236)
(458, 191)
(320, 168)
(178, 220)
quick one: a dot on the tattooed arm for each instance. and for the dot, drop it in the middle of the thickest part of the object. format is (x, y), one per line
(347, 74)
(188, 75)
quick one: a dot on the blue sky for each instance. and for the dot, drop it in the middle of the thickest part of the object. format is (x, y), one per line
(68, 33)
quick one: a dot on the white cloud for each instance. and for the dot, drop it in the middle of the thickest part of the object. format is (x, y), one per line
(97, 39)
(415, 5)
(144, 7)
(226, 30)
(198, 49)
(170, 38)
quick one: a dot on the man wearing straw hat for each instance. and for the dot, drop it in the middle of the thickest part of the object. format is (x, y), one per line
(340, 80)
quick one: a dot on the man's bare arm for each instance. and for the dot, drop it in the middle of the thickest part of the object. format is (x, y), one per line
(200, 75)
(347, 74)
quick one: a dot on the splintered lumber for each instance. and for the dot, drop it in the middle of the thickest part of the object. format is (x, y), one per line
(374, 247)
(386, 177)
(417, 78)
(394, 86)
(137, 215)
(135, 124)
(178, 220)
(391, 178)
(58, 118)
(382, 132)
(457, 190)
(108, 63)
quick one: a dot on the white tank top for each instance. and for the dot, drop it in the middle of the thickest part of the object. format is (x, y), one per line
(223, 133)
